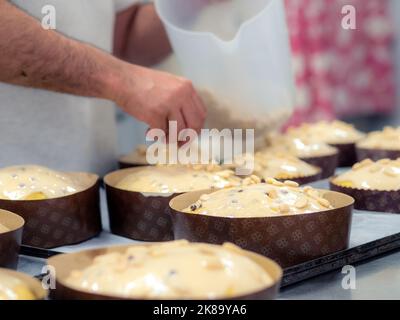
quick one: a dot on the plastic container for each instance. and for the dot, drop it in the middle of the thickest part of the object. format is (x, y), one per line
(241, 57)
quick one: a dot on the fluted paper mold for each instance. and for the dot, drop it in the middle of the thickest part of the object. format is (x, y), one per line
(371, 200)
(66, 263)
(288, 239)
(60, 221)
(328, 164)
(376, 154)
(137, 215)
(10, 241)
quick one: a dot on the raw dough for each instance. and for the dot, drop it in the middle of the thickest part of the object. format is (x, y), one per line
(335, 132)
(176, 179)
(33, 182)
(173, 270)
(387, 139)
(381, 175)
(12, 288)
(261, 200)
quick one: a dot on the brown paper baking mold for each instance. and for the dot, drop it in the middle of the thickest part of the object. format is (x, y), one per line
(288, 240)
(347, 154)
(129, 161)
(137, 215)
(126, 165)
(10, 241)
(328, 164)
(371, 200)
(66, 263)
(376, 154)
(60, 221)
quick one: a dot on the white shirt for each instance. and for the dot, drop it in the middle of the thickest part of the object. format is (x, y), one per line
(62, 131)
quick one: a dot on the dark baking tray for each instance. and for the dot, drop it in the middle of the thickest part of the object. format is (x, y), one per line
(364, 248)
(300, 272)
(338, 260)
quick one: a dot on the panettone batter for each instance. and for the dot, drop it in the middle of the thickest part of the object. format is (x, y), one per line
(173, 270)
(273, 198)
(31, 182)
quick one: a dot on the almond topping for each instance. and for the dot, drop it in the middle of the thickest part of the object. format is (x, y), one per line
(390, 172)
(301, 203)
(270, 180)
(255, 178)
(291, 184)
(278, 183)
(213, 264)
(273, 194)
(284, 208)
(324, 202)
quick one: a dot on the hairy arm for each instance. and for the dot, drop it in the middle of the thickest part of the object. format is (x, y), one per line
(140, 36)
(45, 59)
(35, 57)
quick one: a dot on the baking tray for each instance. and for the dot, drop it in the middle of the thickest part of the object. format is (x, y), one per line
(373, 234)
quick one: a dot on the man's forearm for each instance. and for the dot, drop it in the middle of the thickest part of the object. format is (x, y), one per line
(140, 36)
(35, 57)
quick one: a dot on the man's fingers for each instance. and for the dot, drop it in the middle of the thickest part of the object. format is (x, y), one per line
(176, 115)
(193, 117)
(161, 123)
(196, 115)
(199, 104)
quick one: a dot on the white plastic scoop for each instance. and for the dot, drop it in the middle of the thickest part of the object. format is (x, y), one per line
(237, 53)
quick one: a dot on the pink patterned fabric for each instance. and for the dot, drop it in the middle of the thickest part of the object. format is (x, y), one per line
(341, 72)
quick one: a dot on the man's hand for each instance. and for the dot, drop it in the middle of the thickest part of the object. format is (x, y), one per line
(156, 97)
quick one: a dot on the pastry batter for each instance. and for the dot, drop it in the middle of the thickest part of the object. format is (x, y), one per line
(335, 132)
(173, 270)
(12, 288)
(387, 139)
(282, 166)
(381, 175)
(301, 147)
(33, 182)
(273, 198)
(176, 179)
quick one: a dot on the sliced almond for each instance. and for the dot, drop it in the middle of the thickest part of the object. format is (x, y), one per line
(247, 182)
(301, 203)
(313, 194)
(278, 183)
(270, 180)
(323, 202)
(390, 172)
(384, 161)
(284, 208)
(291, 184)
(255, 178)
(273, 194)
(213, 264)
